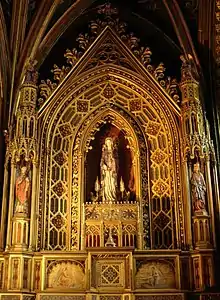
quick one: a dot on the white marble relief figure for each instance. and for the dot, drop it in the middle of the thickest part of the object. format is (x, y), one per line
(108, 172)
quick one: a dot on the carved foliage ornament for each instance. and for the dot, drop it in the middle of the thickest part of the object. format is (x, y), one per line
(108, 54)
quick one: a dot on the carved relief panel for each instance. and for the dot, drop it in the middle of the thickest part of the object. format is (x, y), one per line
(37, 274)
(159, 297)
(15, 278)
(66, 274)
(110, 271)
(155, 274)
(63, 297)
(1, 273)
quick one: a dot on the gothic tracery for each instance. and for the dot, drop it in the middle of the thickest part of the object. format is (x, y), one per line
(109, 176)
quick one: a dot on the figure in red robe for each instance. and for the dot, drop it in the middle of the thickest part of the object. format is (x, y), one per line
(22, 192)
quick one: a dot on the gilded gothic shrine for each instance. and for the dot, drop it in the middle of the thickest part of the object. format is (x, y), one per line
(110, 187)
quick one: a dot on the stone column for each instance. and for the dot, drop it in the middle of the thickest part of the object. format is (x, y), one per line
(5, 201)
(197, 189)
(22, 155)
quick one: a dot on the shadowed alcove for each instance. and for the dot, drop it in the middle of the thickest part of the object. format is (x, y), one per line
(122, 155)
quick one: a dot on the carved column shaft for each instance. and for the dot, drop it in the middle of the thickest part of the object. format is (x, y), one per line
(210, 201)
(4, 206)
(191, 128)
(197, 177)
(11, 206)
(216, 189)
(22, 155)
(187, 205)
(33, 232)
(83, 228)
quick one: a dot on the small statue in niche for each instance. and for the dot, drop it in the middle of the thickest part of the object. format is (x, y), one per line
(22, 191)
(198, 187)
(108, 188)
(31, 75)
(108, 172)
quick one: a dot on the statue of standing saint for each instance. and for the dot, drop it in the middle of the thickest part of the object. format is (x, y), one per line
(22, 191)
(108, 172)
(198, 190)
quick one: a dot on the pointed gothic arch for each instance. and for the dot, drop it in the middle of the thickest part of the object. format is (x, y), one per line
(137, 144)
(108, 55)
(108, 72)
(110, 85)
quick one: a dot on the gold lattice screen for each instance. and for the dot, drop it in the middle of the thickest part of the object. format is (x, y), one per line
(160, 177)
(58, 197)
